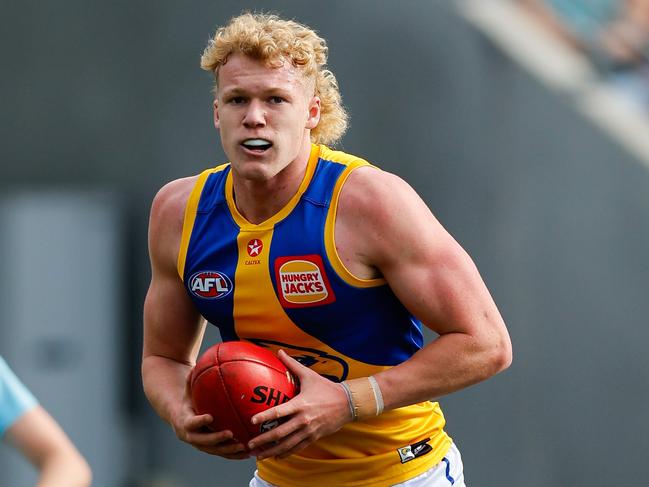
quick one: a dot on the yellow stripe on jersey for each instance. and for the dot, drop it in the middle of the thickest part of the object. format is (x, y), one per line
(190, 215)
(260, 299)
(330, 242)
(285, 211)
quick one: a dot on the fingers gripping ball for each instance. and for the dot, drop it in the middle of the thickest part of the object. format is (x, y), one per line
(233, 381)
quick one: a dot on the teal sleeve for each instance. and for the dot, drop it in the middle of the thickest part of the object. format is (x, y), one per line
(15, 398)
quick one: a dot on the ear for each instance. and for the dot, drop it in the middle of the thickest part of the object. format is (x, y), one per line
(314, 113)
(215, 106)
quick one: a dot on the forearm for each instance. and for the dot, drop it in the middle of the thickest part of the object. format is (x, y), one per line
(451, 362)
(64, 469)
(164, 381)
(44, 443)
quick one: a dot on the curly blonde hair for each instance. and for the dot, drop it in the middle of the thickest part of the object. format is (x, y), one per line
(272, 39)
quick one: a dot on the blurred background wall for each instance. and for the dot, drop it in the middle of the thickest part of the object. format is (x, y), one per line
(103, 102)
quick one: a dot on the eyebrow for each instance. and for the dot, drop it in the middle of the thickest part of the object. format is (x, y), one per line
(236, 91)
(233, 91)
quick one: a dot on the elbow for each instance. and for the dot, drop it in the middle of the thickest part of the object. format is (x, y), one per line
(68, 464)
(494, 356)
(80, 471)
(85, 475)
(501, 354)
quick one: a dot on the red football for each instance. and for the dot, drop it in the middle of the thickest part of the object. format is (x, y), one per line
(233, 381)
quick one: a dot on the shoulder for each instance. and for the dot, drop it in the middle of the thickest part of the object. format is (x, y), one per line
(167, 217)
(171, 200)
(378, 197)
(378, 214)
(168, 206)
(172, 197)
(329, 154)
(388, 223)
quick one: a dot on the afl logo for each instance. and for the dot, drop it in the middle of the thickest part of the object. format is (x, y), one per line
(210, 285)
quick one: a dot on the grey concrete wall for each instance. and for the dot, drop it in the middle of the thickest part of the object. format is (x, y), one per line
(553, 212)
(60, 320)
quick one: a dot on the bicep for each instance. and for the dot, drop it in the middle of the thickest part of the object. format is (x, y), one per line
(172, 326)
(427, 269)
(441, 286)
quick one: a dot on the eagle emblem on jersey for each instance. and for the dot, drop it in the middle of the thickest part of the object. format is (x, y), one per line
(329, 366)
(302, 281)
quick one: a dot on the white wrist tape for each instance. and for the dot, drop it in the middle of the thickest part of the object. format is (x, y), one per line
(350, 401)
(365, 397)
(378, 396)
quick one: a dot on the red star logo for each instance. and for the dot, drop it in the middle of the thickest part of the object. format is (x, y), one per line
(254, 247)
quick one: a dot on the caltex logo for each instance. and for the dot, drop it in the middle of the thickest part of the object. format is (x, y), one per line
(210, 284)
(254, 247)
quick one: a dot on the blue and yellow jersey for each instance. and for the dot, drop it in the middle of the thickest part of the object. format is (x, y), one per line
(281, 284)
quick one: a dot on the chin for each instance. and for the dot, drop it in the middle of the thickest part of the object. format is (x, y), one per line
(254, 171)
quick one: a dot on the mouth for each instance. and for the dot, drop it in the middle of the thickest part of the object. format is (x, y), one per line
(259, 146)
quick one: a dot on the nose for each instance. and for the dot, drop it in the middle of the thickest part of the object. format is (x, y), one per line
(255, 115)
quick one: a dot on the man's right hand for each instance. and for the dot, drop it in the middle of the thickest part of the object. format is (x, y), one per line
(194, 429)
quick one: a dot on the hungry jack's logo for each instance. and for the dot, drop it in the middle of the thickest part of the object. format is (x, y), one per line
(301, 281)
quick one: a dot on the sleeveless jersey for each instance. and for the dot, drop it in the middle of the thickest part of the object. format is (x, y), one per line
(281, 284)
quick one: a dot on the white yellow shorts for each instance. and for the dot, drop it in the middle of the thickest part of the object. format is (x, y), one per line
(449, 471)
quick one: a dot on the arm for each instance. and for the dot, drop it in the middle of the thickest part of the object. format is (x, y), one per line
(626, 38)
(42, 441)
(548, 19)
(173, 329)
(384, 229)
(436, 281)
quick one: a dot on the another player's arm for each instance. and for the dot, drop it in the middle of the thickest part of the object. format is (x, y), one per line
(173, 329)
(42, 441)
(436, 281)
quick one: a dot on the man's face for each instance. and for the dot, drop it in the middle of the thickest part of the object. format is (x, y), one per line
(263, 115)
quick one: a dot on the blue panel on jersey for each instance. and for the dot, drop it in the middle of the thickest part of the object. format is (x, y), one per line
(358, 316)
(212, 256)
(214, 191)
(324, 178)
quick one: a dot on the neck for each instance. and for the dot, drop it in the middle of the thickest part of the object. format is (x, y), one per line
(258, 200)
